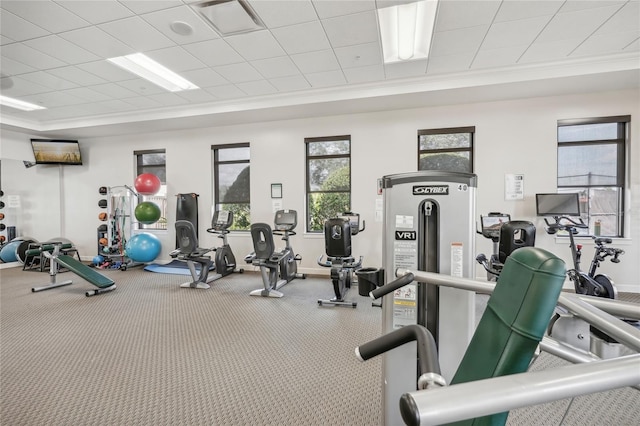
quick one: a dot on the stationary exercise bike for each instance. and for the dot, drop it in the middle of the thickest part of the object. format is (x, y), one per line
(225, 261)
(588, 283)
(337, 240)
(189, 251)
(277, 268)
(507, 235)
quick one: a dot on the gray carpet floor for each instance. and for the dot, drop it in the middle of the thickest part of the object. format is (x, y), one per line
(152, 353)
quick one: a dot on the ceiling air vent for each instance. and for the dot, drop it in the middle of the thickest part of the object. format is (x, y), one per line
(230, 16)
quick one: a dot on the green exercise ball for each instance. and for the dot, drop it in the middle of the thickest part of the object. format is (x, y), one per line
(147, 212)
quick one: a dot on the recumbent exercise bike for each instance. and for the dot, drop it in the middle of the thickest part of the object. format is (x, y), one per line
(507, 235)
(337, 238)
(189, 252)
(277, 268)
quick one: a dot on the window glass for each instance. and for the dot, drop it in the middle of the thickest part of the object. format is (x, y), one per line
(232, 183)
(446, 149)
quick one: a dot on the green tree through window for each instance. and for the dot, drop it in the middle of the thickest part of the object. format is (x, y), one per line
(328, 179)
(232, 178)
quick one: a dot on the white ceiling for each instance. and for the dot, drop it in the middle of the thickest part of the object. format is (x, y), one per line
(316, 57)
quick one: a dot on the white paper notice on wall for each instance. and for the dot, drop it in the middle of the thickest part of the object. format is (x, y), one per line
(378, 211)
(513, 187)
(276, 204)
(13, 201)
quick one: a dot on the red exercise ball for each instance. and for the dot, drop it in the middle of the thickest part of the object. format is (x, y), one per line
(147, 184)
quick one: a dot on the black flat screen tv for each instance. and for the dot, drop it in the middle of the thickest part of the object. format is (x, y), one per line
(56, 151)
(557, 204)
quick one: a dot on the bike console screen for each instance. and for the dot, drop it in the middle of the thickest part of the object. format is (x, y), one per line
(557, 204)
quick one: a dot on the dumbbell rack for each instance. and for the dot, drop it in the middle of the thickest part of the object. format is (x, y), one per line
(119, 211)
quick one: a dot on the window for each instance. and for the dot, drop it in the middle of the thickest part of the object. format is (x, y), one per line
(446, 149)
(328, 179)
(591, 162)
(231, 182)
(154, 162)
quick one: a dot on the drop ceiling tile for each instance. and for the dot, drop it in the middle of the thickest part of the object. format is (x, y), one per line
(513, 33)
(98, 42)
(578, 24)
(96, 11)
(501, 57)
(604, 44)
(449, 64)
(331, 8)
(114, 91)
(77, 75)
(276, 67)
(176, 59)
(255, 45)
(143, 102)
(513, 10)
(454, 15)
(575, 5)
(634, 46)
(19, 29)
(48, 80)
(137, 33)
(114, 105)
(458, 42)
(326, 79)
(10, 67)
(239, 73)
(196, 96)
(290, 83)
(316, 61)
(625, 20)
(284, 12)
(549, 51)
(22, 87)
(256, 88)
(141, 87)
(105, 70)
(205, 77)
(4, 39)
(141, 7)
(302, 38)
(405, 69)
(31, 57)
(53, 99)
(227, 91)
(359, 56)
(352, 29)
(214, 52)
(168, 99)
(45, 14)
(64, 50)
(86, 94)
(364, 74)
(163, 19)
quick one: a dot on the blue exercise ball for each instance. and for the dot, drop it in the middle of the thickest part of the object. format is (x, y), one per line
(143, 247)
(98, 260)
(9, 252)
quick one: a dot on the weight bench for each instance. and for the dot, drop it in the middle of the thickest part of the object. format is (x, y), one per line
(34, 258)
(103, 283)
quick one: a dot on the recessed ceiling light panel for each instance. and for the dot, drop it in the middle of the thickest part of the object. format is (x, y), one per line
(145, 67)
(18, 104)
(230, 16)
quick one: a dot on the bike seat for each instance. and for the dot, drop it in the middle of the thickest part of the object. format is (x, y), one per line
(602, 240)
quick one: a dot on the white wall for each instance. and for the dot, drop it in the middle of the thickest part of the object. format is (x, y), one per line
(511, 137)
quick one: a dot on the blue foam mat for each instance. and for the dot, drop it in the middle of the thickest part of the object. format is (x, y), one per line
(174, 267)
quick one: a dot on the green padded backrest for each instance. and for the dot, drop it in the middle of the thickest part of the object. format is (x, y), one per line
(514, 321)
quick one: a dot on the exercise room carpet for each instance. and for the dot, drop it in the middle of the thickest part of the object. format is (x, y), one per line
(152, 353)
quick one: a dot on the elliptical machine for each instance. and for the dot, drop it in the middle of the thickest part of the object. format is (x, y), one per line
(337, 240)
(589, 283)
(277, 268)
(225, 261)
